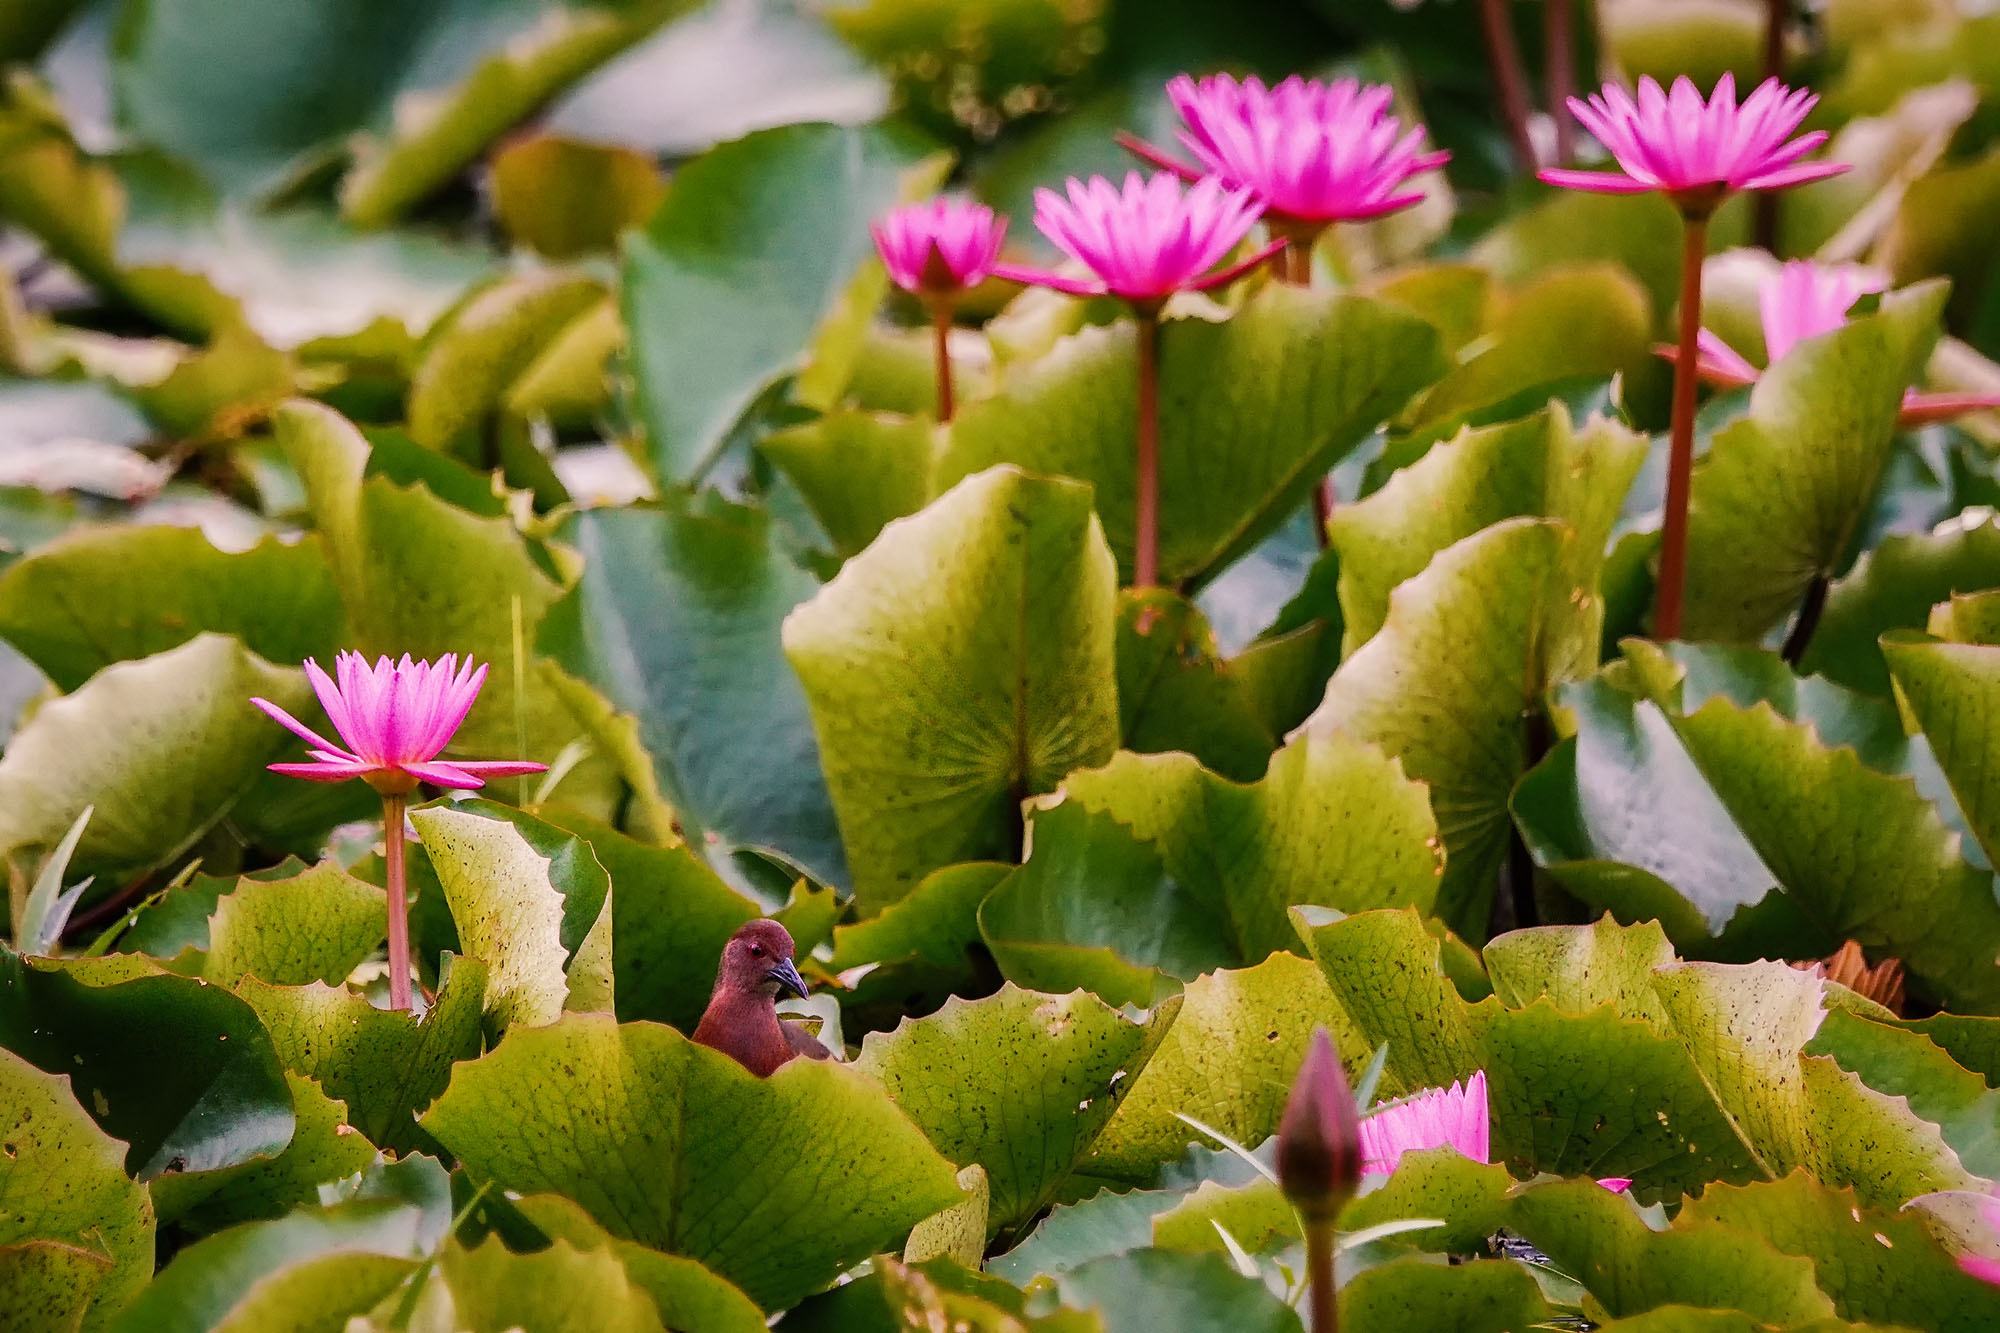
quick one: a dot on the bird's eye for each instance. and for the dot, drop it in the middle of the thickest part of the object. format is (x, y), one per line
(756, 951)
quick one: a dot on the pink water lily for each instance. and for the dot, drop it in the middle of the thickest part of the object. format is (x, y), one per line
(1313, 153)
(396, 718)
(1453, 1117)
(940, 247)
(1697, 151)
(937, 251)
(1145, 241)
(1803, 300)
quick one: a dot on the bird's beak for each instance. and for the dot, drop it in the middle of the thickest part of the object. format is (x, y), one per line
(786, 974)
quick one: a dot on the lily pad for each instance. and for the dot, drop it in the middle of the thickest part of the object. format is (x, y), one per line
(937, 713)
(836, 1174)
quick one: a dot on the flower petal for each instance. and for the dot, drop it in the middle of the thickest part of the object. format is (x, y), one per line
(441, 774)
(296, 727)
(1604, 182)
(325, 772)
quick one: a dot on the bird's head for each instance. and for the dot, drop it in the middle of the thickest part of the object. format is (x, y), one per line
(758, 958)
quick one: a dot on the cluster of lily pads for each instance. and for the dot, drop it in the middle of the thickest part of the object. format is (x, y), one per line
(1545, 640)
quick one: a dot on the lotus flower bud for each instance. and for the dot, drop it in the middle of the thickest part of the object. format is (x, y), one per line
(1319, 1139)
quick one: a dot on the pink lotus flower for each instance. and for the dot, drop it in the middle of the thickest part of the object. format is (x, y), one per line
(395, 718)
(940, 247)
(1986, 1270)
(1314, 153)
(1803, 300)
(1438, 1117)
(1431, 1119)
(1146, 241)
(1698, 152)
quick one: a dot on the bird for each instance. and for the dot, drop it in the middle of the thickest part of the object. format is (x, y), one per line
(742, 1019)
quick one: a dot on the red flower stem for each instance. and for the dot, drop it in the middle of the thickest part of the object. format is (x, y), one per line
(1510, 79)
(1298, 263)
(399, 899)
(1680, 457)
(1764, 219)
(941, 341)
(1146, 526)
(1325, 1302)
(1293, 265)
(1559, 48)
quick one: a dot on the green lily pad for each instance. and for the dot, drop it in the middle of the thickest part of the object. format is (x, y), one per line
(1480, 1297)
(466, 89)
(1173, 1291)
(48, 1287)
(837, 1173)
(1746, 1028)
(1581, 967)
(1537, 466)
(670, 914)
(1176, 693)
(1256, 1216)
(758, 263)
(565, 198)
(317, 925)
(959, 665)
(1776, 499)
(161, 749)
(386, 1065)
(494, 1290)
(675, 619)
(1094, 908)
(530, 902)
(1467, 1198)
(74, 606)
(1894, 586)
(1387, 972)
(474, 356)
(959, 1073)
(1596, 1236)
(1736, 868)
(1576, 321)
(1877, 1265)
(179, 1069)
(858, 471)
(1331, 824)
(1228, 1061)
(209, 1279)
(324, 1149)
(73, 1214)
(1468, 648)
(689, 1298)
(1902, 1063)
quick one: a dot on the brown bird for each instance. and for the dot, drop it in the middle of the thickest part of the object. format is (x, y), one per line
(742, 1016)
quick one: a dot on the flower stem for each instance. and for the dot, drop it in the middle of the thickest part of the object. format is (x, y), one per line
(1764, 222)
(1298, 263)
(941, 341)
(1559, 50)
(1319, 1277)
(399, 900)
(1146, 526)
(1809, 612)
(1510, 80)
(1680, 457)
